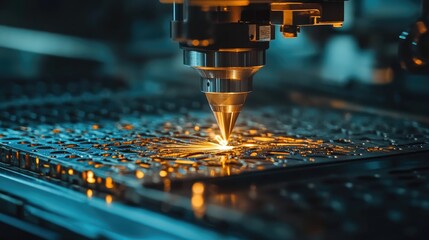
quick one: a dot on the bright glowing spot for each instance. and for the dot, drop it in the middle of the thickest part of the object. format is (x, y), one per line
(253, 131)
(249, 145)
(195, 42)
(225, 148)
(139, 174)
(90, 177)
(37, 160)
(221, 141)
(197, 201)
(188, 162)
(70, 171)
(89, 193)
(199, 146)
(109, 182)
(163, 173)
(109, 199)
(223, 144)
(417, 61)
(198, 188)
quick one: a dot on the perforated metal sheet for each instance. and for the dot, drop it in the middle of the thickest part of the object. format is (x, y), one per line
(116, 146)
(153, 148)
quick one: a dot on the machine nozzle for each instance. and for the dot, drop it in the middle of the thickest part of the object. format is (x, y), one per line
(226, 79)
(226, 107)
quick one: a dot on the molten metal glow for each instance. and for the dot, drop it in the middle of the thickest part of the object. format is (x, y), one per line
(221, 141)
(201, 146)
(225, 148)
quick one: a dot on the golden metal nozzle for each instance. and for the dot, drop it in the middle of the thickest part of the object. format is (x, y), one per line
(226, 79)
(226, 107)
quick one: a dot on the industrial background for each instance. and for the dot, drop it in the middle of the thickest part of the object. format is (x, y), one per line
(105, 132)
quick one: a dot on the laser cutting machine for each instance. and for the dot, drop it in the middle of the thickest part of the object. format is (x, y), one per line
(225, 41)
(103, 134)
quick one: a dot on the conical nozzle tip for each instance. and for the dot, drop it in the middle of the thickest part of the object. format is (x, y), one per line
(226, 107)
(226, 123)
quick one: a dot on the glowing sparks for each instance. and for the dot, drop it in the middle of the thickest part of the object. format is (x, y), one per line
(201, 146)
(225, 148)
(222, 142)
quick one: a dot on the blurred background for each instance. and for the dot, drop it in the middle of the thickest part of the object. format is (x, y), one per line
(112, 64)
(59, 47)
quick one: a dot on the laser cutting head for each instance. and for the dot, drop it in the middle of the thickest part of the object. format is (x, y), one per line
(225, 41)
(226, 107)
(226, 79)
